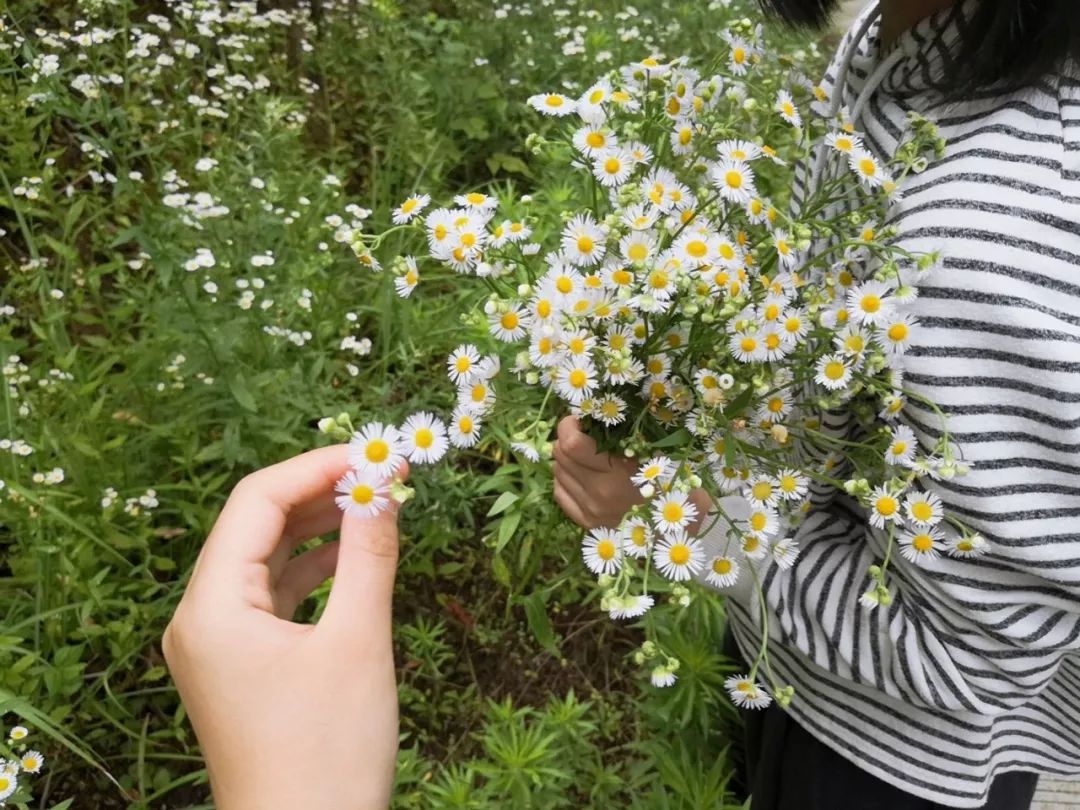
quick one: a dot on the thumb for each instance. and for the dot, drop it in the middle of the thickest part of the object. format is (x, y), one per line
(359, 608)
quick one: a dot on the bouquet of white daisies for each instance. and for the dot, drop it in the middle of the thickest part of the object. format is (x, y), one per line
(663, 287)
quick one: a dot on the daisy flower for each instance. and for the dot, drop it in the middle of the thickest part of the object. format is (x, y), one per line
(636, 534)
(31, 761)
(423, 438)
(362, 494)
(554, 104)
(410, 209)
(924, 509)
(762, 491)
(735, 181)
(746, 694)
(679, 557)
(967, 546)
(832, 372)
(18, 733)
(777, 407)
(897, 332)
(867, 169)
(785, 553)
(870, 599)
(613, 167)
(723, 572)
(510, 325)
(576, 380)
(843, 142)
(637, 247)
(869, 303)
(902, 447)
(8, 784)
(630, 606)
(662, 677)
(611, 410)
(407, 281)
(736, 151)
(785, 250)
(672, 512)
(792, 485)
(528, 450)
(590, 105)
(583, 241)
(884, 507)
(376, 448)
(785, 105)
(741, 55)
(695, 248)
(602, 550)
(477, 201)
(682, 137)
(439, 224)
(639, 217)
(763, 522)
(921, 547)
(477, 396)
(747, 347)
(464, 430)
(658, 469)
(462, 362)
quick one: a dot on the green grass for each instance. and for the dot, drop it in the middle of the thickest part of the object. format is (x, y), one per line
(516, 690)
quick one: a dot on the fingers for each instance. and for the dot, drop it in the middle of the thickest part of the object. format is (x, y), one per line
(570, 506)
(303, 575)
(250, 526)
(358, 612)
(580, 447)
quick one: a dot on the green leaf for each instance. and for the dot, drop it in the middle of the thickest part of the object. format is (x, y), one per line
(502, 503)
(507, 527)
(679, 438)
(240, 390)
(501, 571)
(539, 623)
(740, 402)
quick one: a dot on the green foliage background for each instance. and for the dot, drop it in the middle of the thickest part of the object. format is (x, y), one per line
(516, 690)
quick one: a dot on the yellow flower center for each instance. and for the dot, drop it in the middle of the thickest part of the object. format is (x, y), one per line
(868, 167)
(377, 451)
(585, 244)
(463, 364)
(697, 248)
(543, 308)
(922, 511)
(576, 345)
(564, 284)
(440, 232)
(624, 277)
(722, 566)
(758, 521)
(479, 392)
(776, 405)
(871, 304)
(679, 554)
(844, 144)
(922, 542)
(899, 448)
(476, 198)
(685, 135)
(854, 344)
(612, 165)
(655, 365)
(789, 483)
(596, 96)
(605, 550)
(424, 438)
(673, 513)
(886, 506)
(659, 280)
(509, 321)
(362, 494)
(734, 179)
(554, 101)
(617, 341)
(409, 205)
(638, 536)
(898, 332)
(772, 341)
(465, 424)
(673, 106)
(762, 490)
(748, 344)
(835, 370)
(577, 378)
(738, 55)
(595, 139)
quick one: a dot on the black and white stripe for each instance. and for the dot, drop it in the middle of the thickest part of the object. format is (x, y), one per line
(974, 670)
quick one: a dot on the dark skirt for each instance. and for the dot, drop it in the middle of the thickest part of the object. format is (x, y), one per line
(786, 768)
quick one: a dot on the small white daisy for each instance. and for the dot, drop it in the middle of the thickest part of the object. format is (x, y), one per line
(746, 694)
(464, 430)
(922, 546)
(462, 362)
(602, 551)
(410, 209)
(833, 372)
(637, 535)
(362, 494)
(924, 509)
(902, 447)
(678, 557)
(723, 572)
(630, 606)
(554, 104)
(968, 546)
(423, 438)
(884, 507)
(376, 447)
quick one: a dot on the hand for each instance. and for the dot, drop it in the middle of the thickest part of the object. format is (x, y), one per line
(594, 489)
(291, 715)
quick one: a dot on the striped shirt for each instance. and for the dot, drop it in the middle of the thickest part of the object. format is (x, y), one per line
(974, 670)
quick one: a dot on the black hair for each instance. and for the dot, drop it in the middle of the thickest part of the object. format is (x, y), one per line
(1006, 44)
